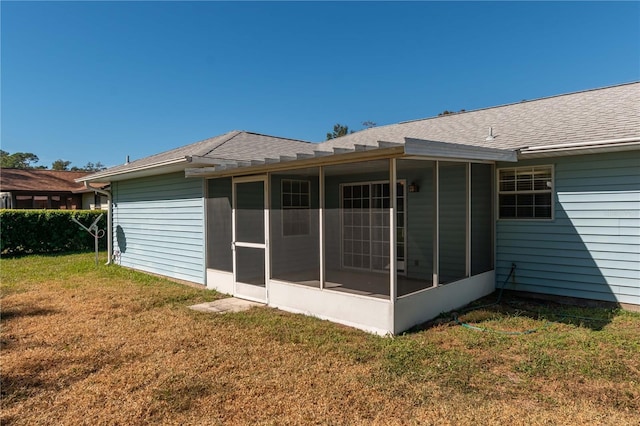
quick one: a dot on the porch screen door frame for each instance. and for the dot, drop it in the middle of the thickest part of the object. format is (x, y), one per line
(243, 290)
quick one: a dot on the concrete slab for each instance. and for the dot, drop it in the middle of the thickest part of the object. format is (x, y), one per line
(221, 306)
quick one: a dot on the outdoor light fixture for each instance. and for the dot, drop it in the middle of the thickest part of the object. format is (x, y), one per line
(414, 187)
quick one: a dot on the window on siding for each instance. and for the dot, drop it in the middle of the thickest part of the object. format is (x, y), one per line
(295, 207)
(24, 201)
(525, 192)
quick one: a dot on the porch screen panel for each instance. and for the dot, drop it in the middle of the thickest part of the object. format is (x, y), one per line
(295, 227)
(250, 212)
(481, 218)
(219, 232)
(453, 221)
(380, 221)
(356, 228)
(419, 225)
(250, 266)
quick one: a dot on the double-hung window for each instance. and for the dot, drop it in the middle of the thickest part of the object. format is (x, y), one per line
(295, 207)
(525, 192)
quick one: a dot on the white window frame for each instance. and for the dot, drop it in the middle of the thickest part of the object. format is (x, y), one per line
(403, 270)
(549, 189)
(306, 208)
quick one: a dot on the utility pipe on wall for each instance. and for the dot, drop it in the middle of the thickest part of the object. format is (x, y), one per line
(109, 222)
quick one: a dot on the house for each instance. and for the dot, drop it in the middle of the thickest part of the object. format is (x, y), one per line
(46, 189)
(388, 227)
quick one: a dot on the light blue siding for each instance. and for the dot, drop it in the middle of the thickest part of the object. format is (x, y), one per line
(591, 249)
(159, 225)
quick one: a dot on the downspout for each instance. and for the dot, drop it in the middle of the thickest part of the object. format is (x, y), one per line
(109, 222)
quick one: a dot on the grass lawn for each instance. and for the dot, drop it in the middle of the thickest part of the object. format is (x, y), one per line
(104, 345)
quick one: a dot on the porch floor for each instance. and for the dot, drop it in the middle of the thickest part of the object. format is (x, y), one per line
(365, 283)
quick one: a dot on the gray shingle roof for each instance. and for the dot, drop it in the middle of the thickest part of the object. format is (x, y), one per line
(235, 145)
(599, 114)
(247, 146)
(592, 115)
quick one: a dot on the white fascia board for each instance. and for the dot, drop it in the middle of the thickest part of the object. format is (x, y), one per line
(581, 148)
(152, 169)
(458, 151)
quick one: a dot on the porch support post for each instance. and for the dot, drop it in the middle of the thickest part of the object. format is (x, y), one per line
(267, 234)
(436, 224)
(393, 259)
(321, 224)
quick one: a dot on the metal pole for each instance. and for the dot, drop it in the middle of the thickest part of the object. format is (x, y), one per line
(109, 219)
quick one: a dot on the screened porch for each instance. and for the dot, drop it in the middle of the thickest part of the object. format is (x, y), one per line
(352, 242)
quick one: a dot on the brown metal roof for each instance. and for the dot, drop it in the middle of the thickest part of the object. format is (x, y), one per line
(39, 180)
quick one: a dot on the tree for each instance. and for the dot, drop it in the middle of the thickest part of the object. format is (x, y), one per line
(60, 165)
(447, 112)
(369, 124)
(90, 167)
(18, 160)
(338, 131)
(27, 160)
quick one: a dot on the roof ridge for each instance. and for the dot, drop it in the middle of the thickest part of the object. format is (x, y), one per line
(520, 102)
(232, 134)
(277, 137)
(235, 133)
(168, 151)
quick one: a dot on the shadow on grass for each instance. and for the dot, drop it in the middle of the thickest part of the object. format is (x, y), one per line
(33, 376)
(19, 255)
(495, 310)
(27, 311)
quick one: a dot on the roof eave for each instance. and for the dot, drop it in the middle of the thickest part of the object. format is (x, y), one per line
(411, 147)
(271, 166)
(447, 150)
(580, 148)
(140, 171)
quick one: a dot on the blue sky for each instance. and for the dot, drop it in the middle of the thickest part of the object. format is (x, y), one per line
(96, 81)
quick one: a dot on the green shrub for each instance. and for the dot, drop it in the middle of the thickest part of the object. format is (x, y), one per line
(48, 231)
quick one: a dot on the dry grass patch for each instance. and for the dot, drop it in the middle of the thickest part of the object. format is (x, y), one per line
(105, 345)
